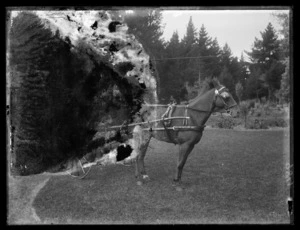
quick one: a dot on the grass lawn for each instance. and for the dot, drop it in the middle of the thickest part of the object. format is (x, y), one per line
(230, 177)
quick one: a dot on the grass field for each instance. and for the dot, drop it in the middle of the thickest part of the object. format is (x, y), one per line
(230, 177)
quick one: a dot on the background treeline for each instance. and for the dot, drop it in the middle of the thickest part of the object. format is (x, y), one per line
(266, 74)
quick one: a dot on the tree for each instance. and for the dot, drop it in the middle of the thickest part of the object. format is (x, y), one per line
(239, 91)
(265, 55)
(254, 84)
(244, 70)
(209, 50)
(285, 83)
(147, 26)
(171, 80)
(227, 79)
(189, 38)
(226, 56)
(283, 19)
(189, 66)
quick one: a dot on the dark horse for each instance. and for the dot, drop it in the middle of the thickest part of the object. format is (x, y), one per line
(213, 98)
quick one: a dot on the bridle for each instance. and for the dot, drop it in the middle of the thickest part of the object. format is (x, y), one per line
(218, 94)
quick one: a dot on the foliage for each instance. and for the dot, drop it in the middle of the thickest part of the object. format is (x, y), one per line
(244, 107)
(285, 83)
(146, 26)
(265, 56)
(283, 19)
(239, 90)
(265, 123)
(226, 123)
(254, 84)
(182, 77)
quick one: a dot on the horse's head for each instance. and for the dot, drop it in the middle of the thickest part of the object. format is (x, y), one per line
(223, 99)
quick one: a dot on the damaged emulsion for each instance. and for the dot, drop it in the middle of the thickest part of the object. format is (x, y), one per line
(113, 26)
(95, 25)
(113, 47)
(124, 67)
(123, 151)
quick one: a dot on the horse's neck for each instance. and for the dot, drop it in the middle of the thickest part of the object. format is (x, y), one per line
(203, 102)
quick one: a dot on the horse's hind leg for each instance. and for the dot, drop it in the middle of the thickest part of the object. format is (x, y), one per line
(184, 151)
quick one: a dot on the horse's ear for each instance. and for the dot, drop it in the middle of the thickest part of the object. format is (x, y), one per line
(215, 82)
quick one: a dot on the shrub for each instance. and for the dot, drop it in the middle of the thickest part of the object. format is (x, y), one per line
(226, 123)
(263, 100)
(244, 110)
(256, 124)
(266, 123)
(251, 104)
(276, 122)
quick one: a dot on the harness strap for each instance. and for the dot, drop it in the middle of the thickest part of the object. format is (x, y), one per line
(168, 113)
(185, 121)
(178, 128)
(168, 133)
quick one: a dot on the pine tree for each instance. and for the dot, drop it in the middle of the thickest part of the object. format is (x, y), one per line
(285, 83)
(244, 73)
(173, 48)
(226, 56)
(189, 39)
(227, 80)
(254, 84)
(172, 81)
(147, 26)
(239, 91)
(284, 42)
(204, 45)
(189, 71)
(283, 19)
(265, 55)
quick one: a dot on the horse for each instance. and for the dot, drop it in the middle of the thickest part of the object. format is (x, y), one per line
(185, 131)
(213, 98)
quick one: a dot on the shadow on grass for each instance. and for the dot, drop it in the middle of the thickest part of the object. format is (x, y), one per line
(230, 177)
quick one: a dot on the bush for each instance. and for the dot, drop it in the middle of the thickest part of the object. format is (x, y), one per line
(251, 104)
(276, 122)
(226, 123)
(256, 124)
(244, 110)
(266, 123)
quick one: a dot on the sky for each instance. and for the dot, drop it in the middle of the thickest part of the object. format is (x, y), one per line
(237, 28)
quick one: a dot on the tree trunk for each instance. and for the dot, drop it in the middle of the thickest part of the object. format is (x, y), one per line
(269, 94)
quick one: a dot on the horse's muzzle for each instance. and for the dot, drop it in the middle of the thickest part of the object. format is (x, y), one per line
(230, 102)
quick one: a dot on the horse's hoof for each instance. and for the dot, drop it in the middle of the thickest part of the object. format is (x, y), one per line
(139, 183)
(175, 182)
(146, 177)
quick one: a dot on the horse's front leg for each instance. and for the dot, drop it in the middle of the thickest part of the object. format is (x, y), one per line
(140, 170)
(184, 151)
